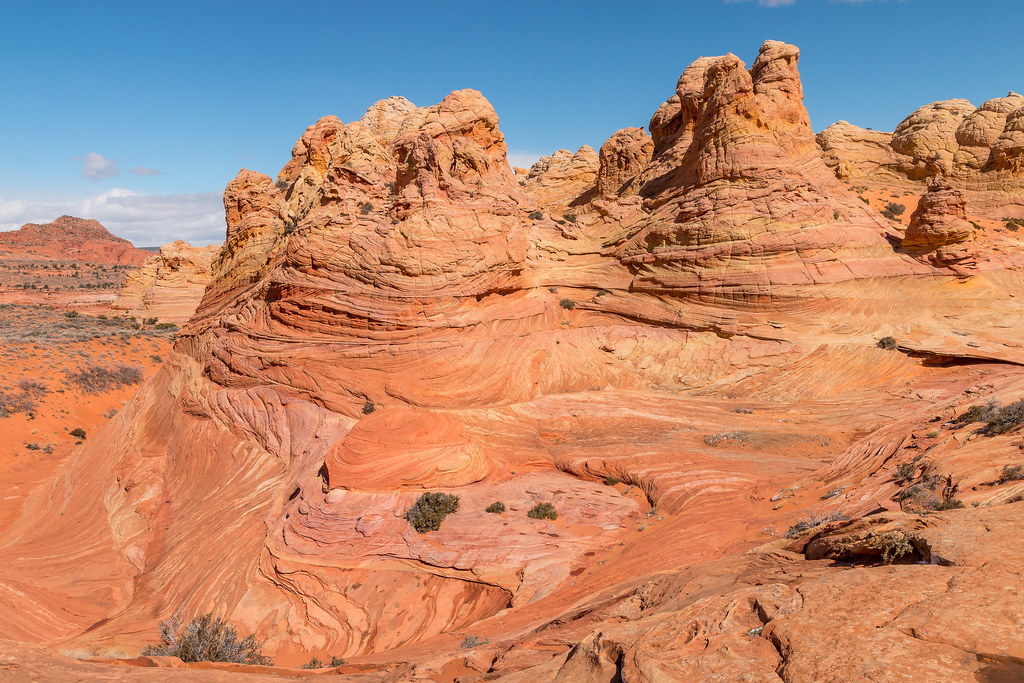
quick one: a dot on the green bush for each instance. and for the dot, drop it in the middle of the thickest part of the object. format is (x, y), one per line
(611, 481)
(368, 407)
(892, 210)
(536, 215)
(998, 419)
(543, 511)
(365, 208)
(495, 508)
(205, 639)
(812, 521)
(569, 216)
(78, 433)
(1011, 473)
(430, 510)
(313, 663)
(887, 343)
(567, 304)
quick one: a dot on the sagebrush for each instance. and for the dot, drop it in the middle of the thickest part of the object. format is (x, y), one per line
(206, 639)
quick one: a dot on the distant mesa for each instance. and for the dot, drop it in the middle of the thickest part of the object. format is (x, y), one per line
(73, 239)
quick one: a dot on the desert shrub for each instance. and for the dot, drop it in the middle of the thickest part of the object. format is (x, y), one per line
(864, 199)
(165, 326)
(743, 411)
(156, 358)
(892, 209)
(368, 407)
(977, 413)
(495, 508)
(1005, 419)
(1011, 473)
(611, 481)
(887, 343)
(893, 544)
(1014, 224)
(71, 315)
(569, 216)
(948, 504)
(472, 641)
(313, 663)
(835, 214)
(543, 511)
(149, 321)
(430, 510)
(33, 388)
(78, 433)
(365, 208)
(95, 379)
(33, 446)
(339, 661)
(205, 639)
(906, 471)
(536, 215)
(976, 226)
(567, 304)
(812, 521)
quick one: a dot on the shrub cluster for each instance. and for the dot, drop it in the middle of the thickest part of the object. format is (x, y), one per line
(543, 511)
(998, 419)
(495, 508)
(430, 510)
(95, 379)
(205, 639)
(892, 209)
(812, 521)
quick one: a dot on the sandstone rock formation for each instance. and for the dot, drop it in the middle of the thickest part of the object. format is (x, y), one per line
(169, 285)
(71, 238)
(683, 371)
(980, 148)
(940, 221)
(562, 178)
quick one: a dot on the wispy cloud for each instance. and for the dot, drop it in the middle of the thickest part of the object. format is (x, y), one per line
(145, 220)
(96, 166)
(142, 170)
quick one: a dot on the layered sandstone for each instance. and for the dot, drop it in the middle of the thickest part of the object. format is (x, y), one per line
(169, 285)
(683, 368)
(939, 222)
(70, 238)
(980, 148)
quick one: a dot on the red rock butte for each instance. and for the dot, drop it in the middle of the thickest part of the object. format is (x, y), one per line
(71, 238)
(674, 341)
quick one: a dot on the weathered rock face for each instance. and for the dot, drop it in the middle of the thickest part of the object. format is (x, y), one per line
(741, 206)
(622, 158)
(979, 148)
(940, 219)
(77, 239)
(670, 370)
(563, 178)
(170, 285)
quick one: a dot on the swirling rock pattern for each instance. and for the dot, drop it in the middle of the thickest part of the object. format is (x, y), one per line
(170, 285)
(678, 365)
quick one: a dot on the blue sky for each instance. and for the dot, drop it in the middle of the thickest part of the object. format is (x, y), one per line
(138, 113)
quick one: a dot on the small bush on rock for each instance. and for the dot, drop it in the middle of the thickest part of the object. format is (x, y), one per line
(430, 510)
(205, 639)
(543, 511)
(496, 508)
(1011, 473)
(892, 209)
(887, 343)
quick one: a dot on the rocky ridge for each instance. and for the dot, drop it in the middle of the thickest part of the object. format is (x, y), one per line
(71, 238)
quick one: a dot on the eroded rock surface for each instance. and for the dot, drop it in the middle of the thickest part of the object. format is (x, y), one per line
(169, 285)
(679, 353)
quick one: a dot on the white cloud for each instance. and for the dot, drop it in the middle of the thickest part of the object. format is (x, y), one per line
(96, 166)
(145, 220)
